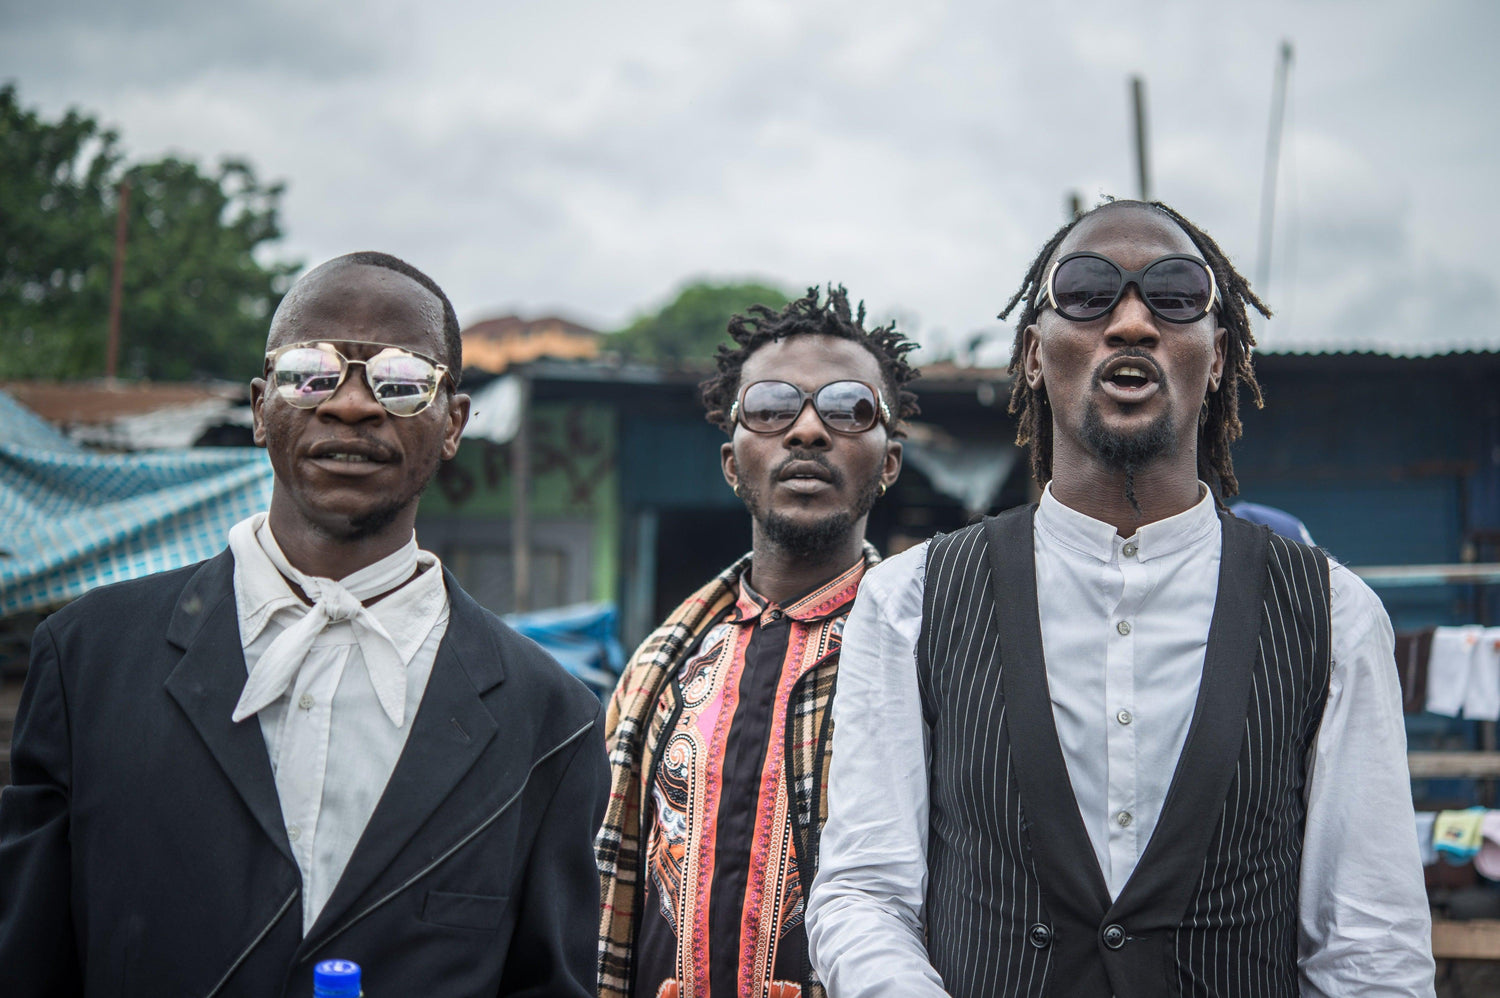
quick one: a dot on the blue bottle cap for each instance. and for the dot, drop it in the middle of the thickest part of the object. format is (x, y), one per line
(336, 979)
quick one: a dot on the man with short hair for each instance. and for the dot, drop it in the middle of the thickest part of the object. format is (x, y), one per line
(314, 745)
(1121, 743)
(718, 731)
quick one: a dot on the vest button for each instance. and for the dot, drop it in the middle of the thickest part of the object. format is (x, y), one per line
(1113, 936)
(1041, 936)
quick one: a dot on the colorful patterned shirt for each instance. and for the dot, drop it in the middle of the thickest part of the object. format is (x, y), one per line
(723, 900)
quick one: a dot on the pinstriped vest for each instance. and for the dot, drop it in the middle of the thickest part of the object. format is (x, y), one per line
(1016, 904)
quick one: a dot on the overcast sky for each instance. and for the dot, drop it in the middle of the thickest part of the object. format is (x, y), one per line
(586, 158)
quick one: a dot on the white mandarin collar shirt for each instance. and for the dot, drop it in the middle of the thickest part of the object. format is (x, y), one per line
(1124, 626)
(334, 726)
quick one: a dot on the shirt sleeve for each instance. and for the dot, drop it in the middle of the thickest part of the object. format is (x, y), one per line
(864, 919)
(1365, 925)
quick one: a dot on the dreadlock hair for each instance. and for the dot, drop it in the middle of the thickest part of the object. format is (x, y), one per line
(807, 317)
(1218, 424)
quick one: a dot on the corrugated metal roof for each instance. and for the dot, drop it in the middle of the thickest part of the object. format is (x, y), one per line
(74, 403)
(1381, 348)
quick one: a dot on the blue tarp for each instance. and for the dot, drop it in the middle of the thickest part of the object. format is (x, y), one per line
(71, 520)
(583, 638)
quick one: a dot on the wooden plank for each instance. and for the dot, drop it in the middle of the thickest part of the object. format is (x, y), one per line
(1476, 940)
(1453, 765)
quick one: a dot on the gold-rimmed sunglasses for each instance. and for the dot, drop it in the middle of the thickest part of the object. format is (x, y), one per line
(308, 374)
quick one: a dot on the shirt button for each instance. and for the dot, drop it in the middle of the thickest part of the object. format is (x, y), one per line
(293, 832)
(775, 614)
(1129, 549)
(1123, 627)
(1124, 717)
(1124, 819)
(306, 701)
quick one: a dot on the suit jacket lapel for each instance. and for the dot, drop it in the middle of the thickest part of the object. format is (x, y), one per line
(451, 730)
(1066, 866)
(207, 683)
(1168, 872)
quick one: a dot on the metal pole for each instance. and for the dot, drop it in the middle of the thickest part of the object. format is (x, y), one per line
(117, 283)
(1273, 158)
(520, 516)
(1138, 99)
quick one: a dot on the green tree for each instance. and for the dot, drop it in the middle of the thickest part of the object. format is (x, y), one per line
(196, 298)
(691, 326)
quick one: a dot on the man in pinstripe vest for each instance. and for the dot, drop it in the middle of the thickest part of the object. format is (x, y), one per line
(1120, 742)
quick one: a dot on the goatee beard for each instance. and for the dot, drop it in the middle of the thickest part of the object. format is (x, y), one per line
(1127, 452)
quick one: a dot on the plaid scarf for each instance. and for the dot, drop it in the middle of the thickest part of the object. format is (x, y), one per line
(633, 726)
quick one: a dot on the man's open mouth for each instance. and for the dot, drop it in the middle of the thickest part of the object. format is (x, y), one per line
(1130, 376)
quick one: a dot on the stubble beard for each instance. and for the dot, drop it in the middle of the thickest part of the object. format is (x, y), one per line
(810, 539)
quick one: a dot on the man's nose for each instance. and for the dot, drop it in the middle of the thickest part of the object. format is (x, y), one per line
(1131, 323)
(353, 401)
(808, 429)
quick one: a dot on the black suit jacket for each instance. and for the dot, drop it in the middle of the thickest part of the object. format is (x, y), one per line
(142, 850)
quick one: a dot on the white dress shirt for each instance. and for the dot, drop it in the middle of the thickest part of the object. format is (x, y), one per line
(332, 728)
(1124, 625)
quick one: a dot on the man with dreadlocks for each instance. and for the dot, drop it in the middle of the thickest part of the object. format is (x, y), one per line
(1120, 743)
(718, 732)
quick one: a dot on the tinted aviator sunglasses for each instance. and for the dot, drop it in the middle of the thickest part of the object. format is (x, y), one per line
(843, 406)
(1084, 286)
(308, 374)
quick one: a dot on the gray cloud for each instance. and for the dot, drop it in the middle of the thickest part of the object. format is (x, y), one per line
(588, 157)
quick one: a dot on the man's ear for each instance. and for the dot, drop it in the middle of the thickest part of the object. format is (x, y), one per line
(257, 403)
(1031, 358)
(1221, 350)
(891, 470)
(458, 418)
(727, 465)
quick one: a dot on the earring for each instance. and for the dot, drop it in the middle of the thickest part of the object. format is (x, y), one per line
(882, 488)
(737, 490)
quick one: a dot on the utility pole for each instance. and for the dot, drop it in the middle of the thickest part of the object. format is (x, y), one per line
(1273, 159)
(520, 517)
(117, 282)
(1138, 101)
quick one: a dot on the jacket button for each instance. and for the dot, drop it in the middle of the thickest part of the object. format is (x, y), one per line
(1041, 936)
(1113, 936)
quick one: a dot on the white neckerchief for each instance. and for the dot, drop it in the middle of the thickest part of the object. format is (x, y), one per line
(255, 548)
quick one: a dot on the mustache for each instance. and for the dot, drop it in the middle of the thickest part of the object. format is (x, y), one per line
(1134, 353)
(834, 476)
(362, 439)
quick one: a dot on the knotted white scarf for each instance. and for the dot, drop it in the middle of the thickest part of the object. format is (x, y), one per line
(251, 541)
